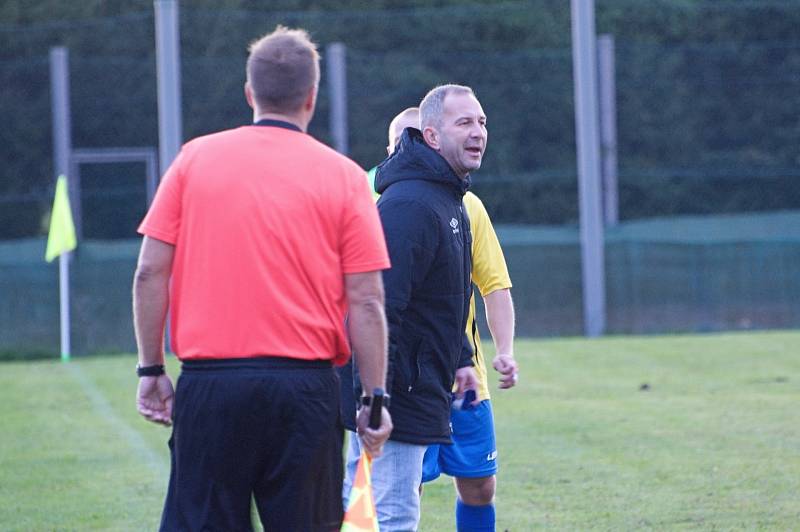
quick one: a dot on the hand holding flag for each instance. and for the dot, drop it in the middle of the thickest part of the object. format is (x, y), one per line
(361, 515)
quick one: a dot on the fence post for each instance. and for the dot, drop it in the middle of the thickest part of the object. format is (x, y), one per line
(62, 130)
(62, 147)
(168, 66)
(584, 70)
(608, 127)
(335, 55)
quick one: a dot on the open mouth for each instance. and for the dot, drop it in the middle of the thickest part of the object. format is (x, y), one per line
(474, 151)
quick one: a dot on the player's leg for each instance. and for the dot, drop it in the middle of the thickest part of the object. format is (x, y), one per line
(472, 460)
(476, 491)
(475, 504)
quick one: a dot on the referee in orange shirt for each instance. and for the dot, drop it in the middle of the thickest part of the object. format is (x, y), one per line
(258, 240)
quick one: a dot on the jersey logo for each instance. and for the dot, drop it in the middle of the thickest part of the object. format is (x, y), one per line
(491, 456)
(454, 225)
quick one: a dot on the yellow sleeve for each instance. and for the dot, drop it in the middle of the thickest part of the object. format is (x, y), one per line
(489, 270)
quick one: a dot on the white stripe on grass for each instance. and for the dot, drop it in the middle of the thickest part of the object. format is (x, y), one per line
(152, 459)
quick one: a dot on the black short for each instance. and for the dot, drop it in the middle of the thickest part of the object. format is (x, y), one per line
(267, 428)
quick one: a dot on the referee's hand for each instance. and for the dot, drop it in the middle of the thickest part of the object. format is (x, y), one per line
(373, 439)
(154, 399)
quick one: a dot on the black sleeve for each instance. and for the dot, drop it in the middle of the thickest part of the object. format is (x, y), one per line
(466, 353)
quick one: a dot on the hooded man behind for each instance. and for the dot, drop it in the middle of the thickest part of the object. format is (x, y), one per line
(428, 289)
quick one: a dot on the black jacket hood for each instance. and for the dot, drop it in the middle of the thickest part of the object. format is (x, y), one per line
(414, 159)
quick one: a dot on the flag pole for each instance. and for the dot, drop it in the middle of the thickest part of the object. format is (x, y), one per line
(168, 77)
(61, 240)
(62, 146)
(63, 291)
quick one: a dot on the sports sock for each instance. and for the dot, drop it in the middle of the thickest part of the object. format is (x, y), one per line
(474, 518)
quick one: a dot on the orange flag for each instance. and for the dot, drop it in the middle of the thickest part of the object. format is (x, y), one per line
(360, 515)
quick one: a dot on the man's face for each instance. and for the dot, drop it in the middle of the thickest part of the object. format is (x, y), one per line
(462, 136)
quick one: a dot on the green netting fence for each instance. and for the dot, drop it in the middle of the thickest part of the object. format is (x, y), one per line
(709, 175)
(692, 274)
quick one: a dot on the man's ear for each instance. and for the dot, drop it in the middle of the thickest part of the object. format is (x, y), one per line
(431, 137)
(248, 95)
(311, 99)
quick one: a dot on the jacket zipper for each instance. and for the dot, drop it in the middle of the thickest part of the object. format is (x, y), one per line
(467, 262)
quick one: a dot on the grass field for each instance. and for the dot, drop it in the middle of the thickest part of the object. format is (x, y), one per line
(627, 433)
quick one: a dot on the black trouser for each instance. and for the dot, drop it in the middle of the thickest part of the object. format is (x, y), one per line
(267, 428)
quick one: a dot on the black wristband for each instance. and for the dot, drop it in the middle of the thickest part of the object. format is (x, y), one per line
(366, 400)
(155, 370)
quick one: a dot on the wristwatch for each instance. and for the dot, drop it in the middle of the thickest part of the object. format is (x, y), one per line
(366, 400)
(155, 370)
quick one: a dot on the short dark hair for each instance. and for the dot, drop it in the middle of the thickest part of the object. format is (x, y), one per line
(282, 67)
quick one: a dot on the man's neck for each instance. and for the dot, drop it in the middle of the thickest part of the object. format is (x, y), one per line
(292, 119)
(460, 176)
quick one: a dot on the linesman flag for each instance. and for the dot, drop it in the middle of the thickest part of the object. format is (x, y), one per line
(360, 515)
(61, 238)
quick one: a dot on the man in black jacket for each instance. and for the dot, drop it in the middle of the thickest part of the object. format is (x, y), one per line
(427, 291)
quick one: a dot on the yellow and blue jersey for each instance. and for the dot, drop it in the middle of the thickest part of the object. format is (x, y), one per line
(489, 273)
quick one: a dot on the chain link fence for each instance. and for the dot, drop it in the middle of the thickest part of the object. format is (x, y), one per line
(709, 170)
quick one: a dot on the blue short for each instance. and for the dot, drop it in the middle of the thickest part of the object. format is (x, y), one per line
(473, 453)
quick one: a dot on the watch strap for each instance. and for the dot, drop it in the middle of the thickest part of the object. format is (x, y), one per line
(155, 370)
(366, 400)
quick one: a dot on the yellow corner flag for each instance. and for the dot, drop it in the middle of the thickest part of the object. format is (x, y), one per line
(61, 238)
(360, 515)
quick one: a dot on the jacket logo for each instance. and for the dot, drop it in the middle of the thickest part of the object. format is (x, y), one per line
(454, 225)
(491, 456)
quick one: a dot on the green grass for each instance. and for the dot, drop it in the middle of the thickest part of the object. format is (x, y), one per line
(712, 443)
